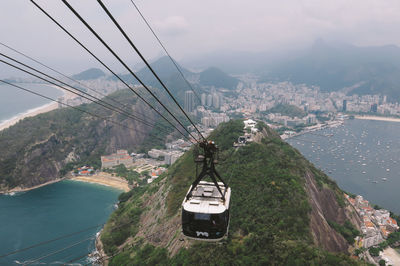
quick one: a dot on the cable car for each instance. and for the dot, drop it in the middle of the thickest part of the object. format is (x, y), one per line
(205, 209)
(205, 215)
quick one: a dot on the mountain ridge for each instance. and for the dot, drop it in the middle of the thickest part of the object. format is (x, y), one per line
(281, 209)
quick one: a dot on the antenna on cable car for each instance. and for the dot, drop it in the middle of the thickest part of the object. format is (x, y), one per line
(205, 209)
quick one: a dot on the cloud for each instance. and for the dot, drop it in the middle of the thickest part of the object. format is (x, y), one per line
(173, 25)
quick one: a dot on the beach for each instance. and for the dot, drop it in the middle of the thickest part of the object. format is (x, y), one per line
(105, 179)
(392, 255)
(378, 118)
(35, 111)
(30, 113)
(19, 189)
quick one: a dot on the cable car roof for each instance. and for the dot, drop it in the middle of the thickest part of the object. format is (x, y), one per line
(207, 199)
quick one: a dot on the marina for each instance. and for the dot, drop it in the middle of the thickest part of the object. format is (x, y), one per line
(360, 155)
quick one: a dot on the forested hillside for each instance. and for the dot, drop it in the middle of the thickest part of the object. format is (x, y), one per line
(43, 148)
(281, 210)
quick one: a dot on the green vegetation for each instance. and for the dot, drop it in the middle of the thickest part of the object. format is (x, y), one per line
(129, 174)
(374, 251)
(270, 208)
(288, 110)
(47, 146)
(347, 230)
(124, 221)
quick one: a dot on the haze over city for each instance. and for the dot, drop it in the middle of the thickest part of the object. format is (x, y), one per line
(191, 29)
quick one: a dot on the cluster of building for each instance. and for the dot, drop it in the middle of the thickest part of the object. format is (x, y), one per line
(292, 121)
(377, 224)
(254, 99)
(120, 157)
(85, 170)
(155, 173)
(173, 151)
(103, 87)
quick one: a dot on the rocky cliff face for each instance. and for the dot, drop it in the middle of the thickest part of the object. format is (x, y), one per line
(42, 148)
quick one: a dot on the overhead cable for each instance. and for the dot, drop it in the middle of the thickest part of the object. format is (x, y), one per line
(65, 76)
(78, 109)
(124, 64)
(165, 50)
(91, 100)
(101, 62)
(147, 64)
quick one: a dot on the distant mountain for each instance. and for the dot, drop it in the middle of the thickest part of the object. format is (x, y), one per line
(92, 73)
(335, 66)
(238, 62)
(217, 78)
(168, 73)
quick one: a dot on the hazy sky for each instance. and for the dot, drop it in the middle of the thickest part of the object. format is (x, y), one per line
(190, 28)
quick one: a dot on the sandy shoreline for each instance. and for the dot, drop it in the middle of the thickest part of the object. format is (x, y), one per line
(104, 179)
(19, 189)
(377, 118)
(101, 178)
(32, 112)
(38, 110)
(392, 255)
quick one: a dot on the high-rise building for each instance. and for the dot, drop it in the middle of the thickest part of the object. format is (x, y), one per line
(189, 101)
(209, 100)
(203, 99)
(344, 105)
(374, 108)
(215, 100)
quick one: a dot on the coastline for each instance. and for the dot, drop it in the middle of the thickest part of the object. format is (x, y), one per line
(19, 189)
(377, 118)
(30, 113)
(104, 179)
(38, 110)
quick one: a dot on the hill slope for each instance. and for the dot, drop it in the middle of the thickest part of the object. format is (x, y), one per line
(92, 73)
(215, 77)
(45, 147)
(281, 206)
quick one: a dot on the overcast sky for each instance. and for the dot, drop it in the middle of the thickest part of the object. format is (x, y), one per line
(190, 28)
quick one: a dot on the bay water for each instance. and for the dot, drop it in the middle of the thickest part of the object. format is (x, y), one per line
(362, 156)
(49, 212)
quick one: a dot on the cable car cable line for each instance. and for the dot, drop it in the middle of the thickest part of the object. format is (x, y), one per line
(121, 111)
(147, 63)
(48, 241)
(58, 251)
(125, 65)
(102, 258)
(78, 109)
(97, 102)
(63, 236)
(102, 63)
(165, 49)
(65, 76)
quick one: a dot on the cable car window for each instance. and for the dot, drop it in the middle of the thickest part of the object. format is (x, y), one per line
(202, 216)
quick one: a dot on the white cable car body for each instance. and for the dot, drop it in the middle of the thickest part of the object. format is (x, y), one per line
(205, 214)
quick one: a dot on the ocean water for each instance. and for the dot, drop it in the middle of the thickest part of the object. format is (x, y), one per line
(14, 101)
(362, 156)
(49, 212)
